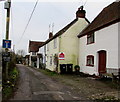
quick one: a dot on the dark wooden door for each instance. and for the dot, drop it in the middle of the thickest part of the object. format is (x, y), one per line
(102, 62)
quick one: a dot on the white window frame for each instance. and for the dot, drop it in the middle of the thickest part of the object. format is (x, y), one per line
(55, 43)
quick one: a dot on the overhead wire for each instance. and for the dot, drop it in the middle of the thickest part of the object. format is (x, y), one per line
(85, 3)
(28, 21)
(12, 28)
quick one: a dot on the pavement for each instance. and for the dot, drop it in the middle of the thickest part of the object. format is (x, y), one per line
(34, 85)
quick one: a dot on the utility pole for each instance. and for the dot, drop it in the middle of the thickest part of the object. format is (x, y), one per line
(7, 6)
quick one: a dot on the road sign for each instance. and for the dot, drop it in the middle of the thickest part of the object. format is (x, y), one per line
(6, 59)
(6, 56)
(61, 56)
(6, 43)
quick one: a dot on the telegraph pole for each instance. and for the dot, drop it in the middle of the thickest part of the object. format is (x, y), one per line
(7, 6)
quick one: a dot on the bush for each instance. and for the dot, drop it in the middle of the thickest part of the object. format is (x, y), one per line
(77, 69)
(77, 66)
(6, 92)
(8, 85)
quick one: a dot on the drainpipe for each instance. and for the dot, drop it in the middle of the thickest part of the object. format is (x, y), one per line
(58, 54)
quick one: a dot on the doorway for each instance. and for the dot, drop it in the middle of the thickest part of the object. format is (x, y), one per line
(102, 62)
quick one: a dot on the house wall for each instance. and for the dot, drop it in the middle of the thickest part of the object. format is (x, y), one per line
(69, 42)
(51, 53)
(41, 50)
(32, 63)
(119, 45)
(105, 39)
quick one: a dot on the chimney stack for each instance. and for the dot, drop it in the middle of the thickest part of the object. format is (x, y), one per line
(80, 13)
(50, 34)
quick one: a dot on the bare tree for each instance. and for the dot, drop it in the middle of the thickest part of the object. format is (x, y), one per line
(21, 52)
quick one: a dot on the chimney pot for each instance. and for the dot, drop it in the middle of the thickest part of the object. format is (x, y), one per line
(50, 34)
(80, 13)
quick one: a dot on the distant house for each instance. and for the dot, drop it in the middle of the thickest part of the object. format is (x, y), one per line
(98, 43)
(41, 61)
(61, 50)
(33, 50)
(27, 59)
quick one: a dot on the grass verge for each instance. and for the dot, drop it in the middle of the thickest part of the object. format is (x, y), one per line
(9, 84)
(48, 72)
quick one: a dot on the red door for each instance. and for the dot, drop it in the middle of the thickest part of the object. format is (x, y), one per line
(102, 62)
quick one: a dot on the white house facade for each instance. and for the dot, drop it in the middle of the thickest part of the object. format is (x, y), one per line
(98, 43)
(34, 56)
(104, 41)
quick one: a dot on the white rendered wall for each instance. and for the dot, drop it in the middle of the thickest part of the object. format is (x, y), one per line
(105, 39)
(69, 42)
(41, 51)
(50, 53)
(119, 44)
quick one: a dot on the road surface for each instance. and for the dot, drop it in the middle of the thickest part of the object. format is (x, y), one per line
(34, 85)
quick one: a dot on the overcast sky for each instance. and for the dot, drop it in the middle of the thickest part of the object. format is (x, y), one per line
(59, 12)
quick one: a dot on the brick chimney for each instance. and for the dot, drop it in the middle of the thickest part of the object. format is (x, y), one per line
(50, 34)
(80, 13)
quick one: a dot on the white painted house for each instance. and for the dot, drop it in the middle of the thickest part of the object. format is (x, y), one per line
(65, 42)
(34, 56)
(99, 50)
(41, 58)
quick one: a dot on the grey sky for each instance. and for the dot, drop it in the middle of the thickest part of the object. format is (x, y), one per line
(59, 13)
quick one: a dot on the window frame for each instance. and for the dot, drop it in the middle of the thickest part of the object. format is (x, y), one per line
(50, 60)
(33, 53)
(90, 38)
(55, 43)
(91, 59)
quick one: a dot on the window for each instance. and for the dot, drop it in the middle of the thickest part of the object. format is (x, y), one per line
(55, 43)
(33, 53)
(50, 60)
(90, 38)
(90, 60)
(45, 49)
(55, 59)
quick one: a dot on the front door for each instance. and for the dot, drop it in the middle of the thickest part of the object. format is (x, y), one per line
(102, 62)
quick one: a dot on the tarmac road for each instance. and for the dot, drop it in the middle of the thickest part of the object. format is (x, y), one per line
(34, 85)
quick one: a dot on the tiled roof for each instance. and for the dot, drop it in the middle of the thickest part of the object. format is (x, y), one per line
(63, 30)
(109, 15)
(34, 46)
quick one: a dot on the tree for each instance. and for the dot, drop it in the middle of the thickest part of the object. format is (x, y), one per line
(21, 52)
(20, 56)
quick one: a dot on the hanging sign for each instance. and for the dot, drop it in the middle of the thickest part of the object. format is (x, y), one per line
(61, 56)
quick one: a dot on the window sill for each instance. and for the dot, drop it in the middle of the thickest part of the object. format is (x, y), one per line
(90, 43)
(90, 65)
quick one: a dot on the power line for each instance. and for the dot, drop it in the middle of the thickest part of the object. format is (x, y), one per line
(85, 3)
(28, 21)
(12, 28)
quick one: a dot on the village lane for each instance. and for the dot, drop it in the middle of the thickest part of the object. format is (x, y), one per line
(34, 85)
